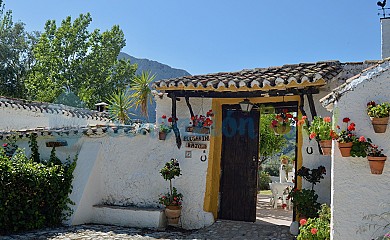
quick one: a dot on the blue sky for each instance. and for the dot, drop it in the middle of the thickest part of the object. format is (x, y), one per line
(206, 36)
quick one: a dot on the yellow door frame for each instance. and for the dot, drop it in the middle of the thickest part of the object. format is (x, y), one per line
(211, 198)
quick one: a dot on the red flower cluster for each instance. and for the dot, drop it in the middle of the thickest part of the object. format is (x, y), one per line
(203, 121)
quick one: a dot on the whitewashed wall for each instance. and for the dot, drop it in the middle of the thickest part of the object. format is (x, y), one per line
(315, 159)
(355, 191)
(16, 119)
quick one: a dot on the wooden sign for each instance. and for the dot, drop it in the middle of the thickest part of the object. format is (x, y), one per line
(193, 138)
(196, 145)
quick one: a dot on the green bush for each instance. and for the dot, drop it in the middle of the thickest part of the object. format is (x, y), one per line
(264, 180)
(316, 228)
(33, 195)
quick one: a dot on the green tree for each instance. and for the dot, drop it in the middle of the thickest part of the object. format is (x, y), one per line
(69, 58)
(15, 54)
(141, 91)
(270, 143)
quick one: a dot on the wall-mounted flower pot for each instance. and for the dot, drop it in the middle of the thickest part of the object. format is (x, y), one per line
(173, 214)
(345, 149)
(201, 130)
(326, 146)
(282, 129)
(162, 135)
(376, 164)
(380, 124)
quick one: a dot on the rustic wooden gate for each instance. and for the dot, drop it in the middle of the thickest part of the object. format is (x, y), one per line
(239, 162)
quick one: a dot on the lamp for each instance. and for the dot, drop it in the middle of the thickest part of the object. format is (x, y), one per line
(246, 105)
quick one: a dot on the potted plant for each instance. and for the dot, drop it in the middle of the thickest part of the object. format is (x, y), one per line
(376, 159)
(319, 129)
(164, 128)
(171, 200)
(345, 138)
(282, 122)
(201, 123)
(316, 228)
(379, 115)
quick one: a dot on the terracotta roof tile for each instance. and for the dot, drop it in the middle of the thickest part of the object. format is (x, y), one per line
(271, 77)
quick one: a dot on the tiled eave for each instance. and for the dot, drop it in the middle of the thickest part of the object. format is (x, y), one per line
(351, 83)
(43, 107)
(90, 130)
(260, 79)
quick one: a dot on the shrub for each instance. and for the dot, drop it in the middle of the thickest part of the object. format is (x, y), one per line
(305, 202)
(33, 195)
(264, 180)
(316, 228)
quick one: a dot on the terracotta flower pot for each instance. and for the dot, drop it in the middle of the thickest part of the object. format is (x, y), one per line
(379, 124)
(345, 149)
(201, 130)
(162, 135)
(173, 214)
(376, 164)
(326, 146)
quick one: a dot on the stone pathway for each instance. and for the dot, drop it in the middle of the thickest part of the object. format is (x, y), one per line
(219, 230)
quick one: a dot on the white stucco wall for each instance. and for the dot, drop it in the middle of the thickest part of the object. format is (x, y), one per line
(16, 119)
(355, 191)
(315, 159)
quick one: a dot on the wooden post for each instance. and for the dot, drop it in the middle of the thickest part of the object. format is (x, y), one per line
(174, 122)
(313, 113)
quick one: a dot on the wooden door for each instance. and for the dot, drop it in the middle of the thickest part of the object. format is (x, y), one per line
(240, 151)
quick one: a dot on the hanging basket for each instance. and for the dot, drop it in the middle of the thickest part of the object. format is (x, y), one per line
(379, 124)
(376, 164)
(173, 214)
(345, 149)
(326, 146)
(282, 129)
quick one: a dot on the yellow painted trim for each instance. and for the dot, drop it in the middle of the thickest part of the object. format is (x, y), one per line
(214, 163)
(232, 88)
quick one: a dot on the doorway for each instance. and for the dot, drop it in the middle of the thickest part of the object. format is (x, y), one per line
(239, 163)
(240, 157)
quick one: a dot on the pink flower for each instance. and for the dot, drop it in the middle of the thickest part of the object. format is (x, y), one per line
(313, 231)
(304, 117)
(312, 135)
(302, 221)
(284, 205)
(327, 119)
(164, 116)
(5, 145)
(175, 198)
(179, 203)
(362, 139)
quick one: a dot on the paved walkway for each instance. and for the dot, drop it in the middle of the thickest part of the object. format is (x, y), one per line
(271, 224)
(219, 230)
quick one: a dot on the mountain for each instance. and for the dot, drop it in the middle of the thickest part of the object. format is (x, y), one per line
(162, 71)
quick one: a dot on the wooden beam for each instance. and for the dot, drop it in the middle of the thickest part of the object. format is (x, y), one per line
(174, 122)
(189, 106)
(302, 104)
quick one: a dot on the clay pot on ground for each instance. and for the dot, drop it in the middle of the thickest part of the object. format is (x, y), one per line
(345, 149)
(326, 146)
(376, 164)
(379, 124)
(162, 135)
(173, 214)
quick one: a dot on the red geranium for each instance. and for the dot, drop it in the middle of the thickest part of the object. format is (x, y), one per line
(346, 120)
(314, 231)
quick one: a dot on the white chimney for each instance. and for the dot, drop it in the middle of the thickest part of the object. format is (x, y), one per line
(385, 27)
